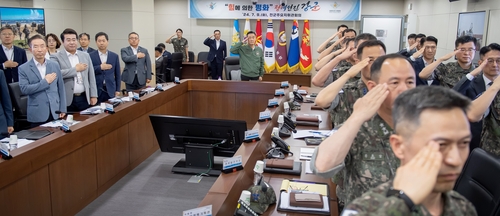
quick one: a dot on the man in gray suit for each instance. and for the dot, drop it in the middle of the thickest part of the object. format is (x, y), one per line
(78, 73)
(42, 81)
(137, 71)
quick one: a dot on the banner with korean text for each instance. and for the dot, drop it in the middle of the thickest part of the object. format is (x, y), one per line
(345, 10)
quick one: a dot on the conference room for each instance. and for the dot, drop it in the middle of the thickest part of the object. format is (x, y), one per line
(147, 154)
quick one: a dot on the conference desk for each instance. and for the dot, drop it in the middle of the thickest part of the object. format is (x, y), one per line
(296, 78)
(62, 173)
(194, 70)
(225, 192)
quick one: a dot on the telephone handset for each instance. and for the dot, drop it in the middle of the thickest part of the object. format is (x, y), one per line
(281, 150)
(297, 96)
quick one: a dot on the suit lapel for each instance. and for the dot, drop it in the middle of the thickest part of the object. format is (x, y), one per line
(35, 70)
(3, 57)
(479, 84)
(64, 56)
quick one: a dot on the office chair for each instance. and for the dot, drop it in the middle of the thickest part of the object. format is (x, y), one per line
(191, 56)
(232, 63)
(479, 182)
(202, 57)
(20, 105)
(176, 66)
(166, 64)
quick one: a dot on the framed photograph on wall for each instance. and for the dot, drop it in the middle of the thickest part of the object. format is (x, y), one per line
(25, 22)
(472, 24)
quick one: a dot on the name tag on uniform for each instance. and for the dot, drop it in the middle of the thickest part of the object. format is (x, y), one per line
(377, 156)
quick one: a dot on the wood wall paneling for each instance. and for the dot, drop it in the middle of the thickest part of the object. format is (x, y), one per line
(28, 196)
(219, 105)
(73, 181)
(141, 138)
(249, 105)
(112, 152)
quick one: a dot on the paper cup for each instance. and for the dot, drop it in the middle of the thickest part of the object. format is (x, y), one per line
(281, 119)
(259, 167)
(290, 95)
(13, 139)
(130, 94)
(286, 105)
(276, 131)
(245, 197)
(103, 106)
(69, 118)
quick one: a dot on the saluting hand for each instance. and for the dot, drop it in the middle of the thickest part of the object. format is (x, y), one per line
(449, 55)
(355, 69)
(419, 52)
(348, 52)
(366, 107)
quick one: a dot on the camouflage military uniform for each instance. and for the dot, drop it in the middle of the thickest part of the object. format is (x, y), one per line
(490, 136)
(353, 90)
(449, 74)
(376, 202)
(339, 46)
(344, 63)
(337, 73)
(180, 45)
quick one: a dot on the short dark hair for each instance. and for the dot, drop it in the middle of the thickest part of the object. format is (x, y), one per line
(6, 27)
(69, 31)
(216, 30)
(82, 34)
(35, 37)
(465, 39)
(342, 26)
(58, 42)
(369, 43)
(159, 49)
(412, 35)
(420, 36)
(428, 38)
(179, 30)
(101, 34)
(251, 32)
(490, 47)
(363, 36)
(410, 104)
(162, 45)
(131, 33)
(349, 30)
(377, 64)
(347, 41)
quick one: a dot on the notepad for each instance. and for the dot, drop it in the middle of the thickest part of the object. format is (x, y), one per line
(310, 187)
(297, 186)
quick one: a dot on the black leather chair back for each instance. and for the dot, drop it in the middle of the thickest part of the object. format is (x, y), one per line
(166, 66)
(232, 63)
(191, 56)
(176, 66)
(479, 182)
(203, 57)
(19, 101)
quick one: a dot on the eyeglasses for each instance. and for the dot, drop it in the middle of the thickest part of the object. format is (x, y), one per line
(490, 61)
(7, 34)
(467, 50)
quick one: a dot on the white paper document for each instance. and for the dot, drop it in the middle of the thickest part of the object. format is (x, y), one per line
(56, 123)
(20, 142)
(92, 111)
(308, 167)
(306, 153)
(311, 133)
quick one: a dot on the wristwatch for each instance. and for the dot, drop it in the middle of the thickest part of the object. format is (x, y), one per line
(401, 195)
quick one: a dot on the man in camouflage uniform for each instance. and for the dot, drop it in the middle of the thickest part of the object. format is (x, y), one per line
(361, 146)
(487, 106)
(324, 73)
(449, 74)
(328, 42)
(180, 44)
(424, 118)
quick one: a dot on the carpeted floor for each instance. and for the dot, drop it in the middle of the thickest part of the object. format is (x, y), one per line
(151, 189)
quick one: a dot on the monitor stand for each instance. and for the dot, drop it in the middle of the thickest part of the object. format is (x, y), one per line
(199, 158)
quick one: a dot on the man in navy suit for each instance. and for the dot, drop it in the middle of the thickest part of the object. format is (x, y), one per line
(6, 115)
(84, 40)
(423, 57)
(217, 54)
(42, 81)
(106, 68)
(476, 82)
(11, 56)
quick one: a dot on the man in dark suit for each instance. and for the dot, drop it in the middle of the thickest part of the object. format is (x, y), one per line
(137, 71)
(6, 115)
(167, 58)
(217, 54)
(476, 82)
(84, 40)
(410, 50)
(423, 57)
(107, 69)
(41, 79)
(10, 56)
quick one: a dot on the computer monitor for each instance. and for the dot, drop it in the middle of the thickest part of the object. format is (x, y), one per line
(200, 139)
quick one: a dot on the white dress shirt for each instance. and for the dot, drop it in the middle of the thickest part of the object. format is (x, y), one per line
(103, 56)
(79, 87)
(134, 50)
(42, 68)
(9, 53)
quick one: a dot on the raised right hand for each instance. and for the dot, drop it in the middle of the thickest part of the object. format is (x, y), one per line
(419, 52)
(50, 77)
(348, 52)
(244, 40)
(449, 55)
(418, 177)
(355, 69)
(80, 67)
(366, 107)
